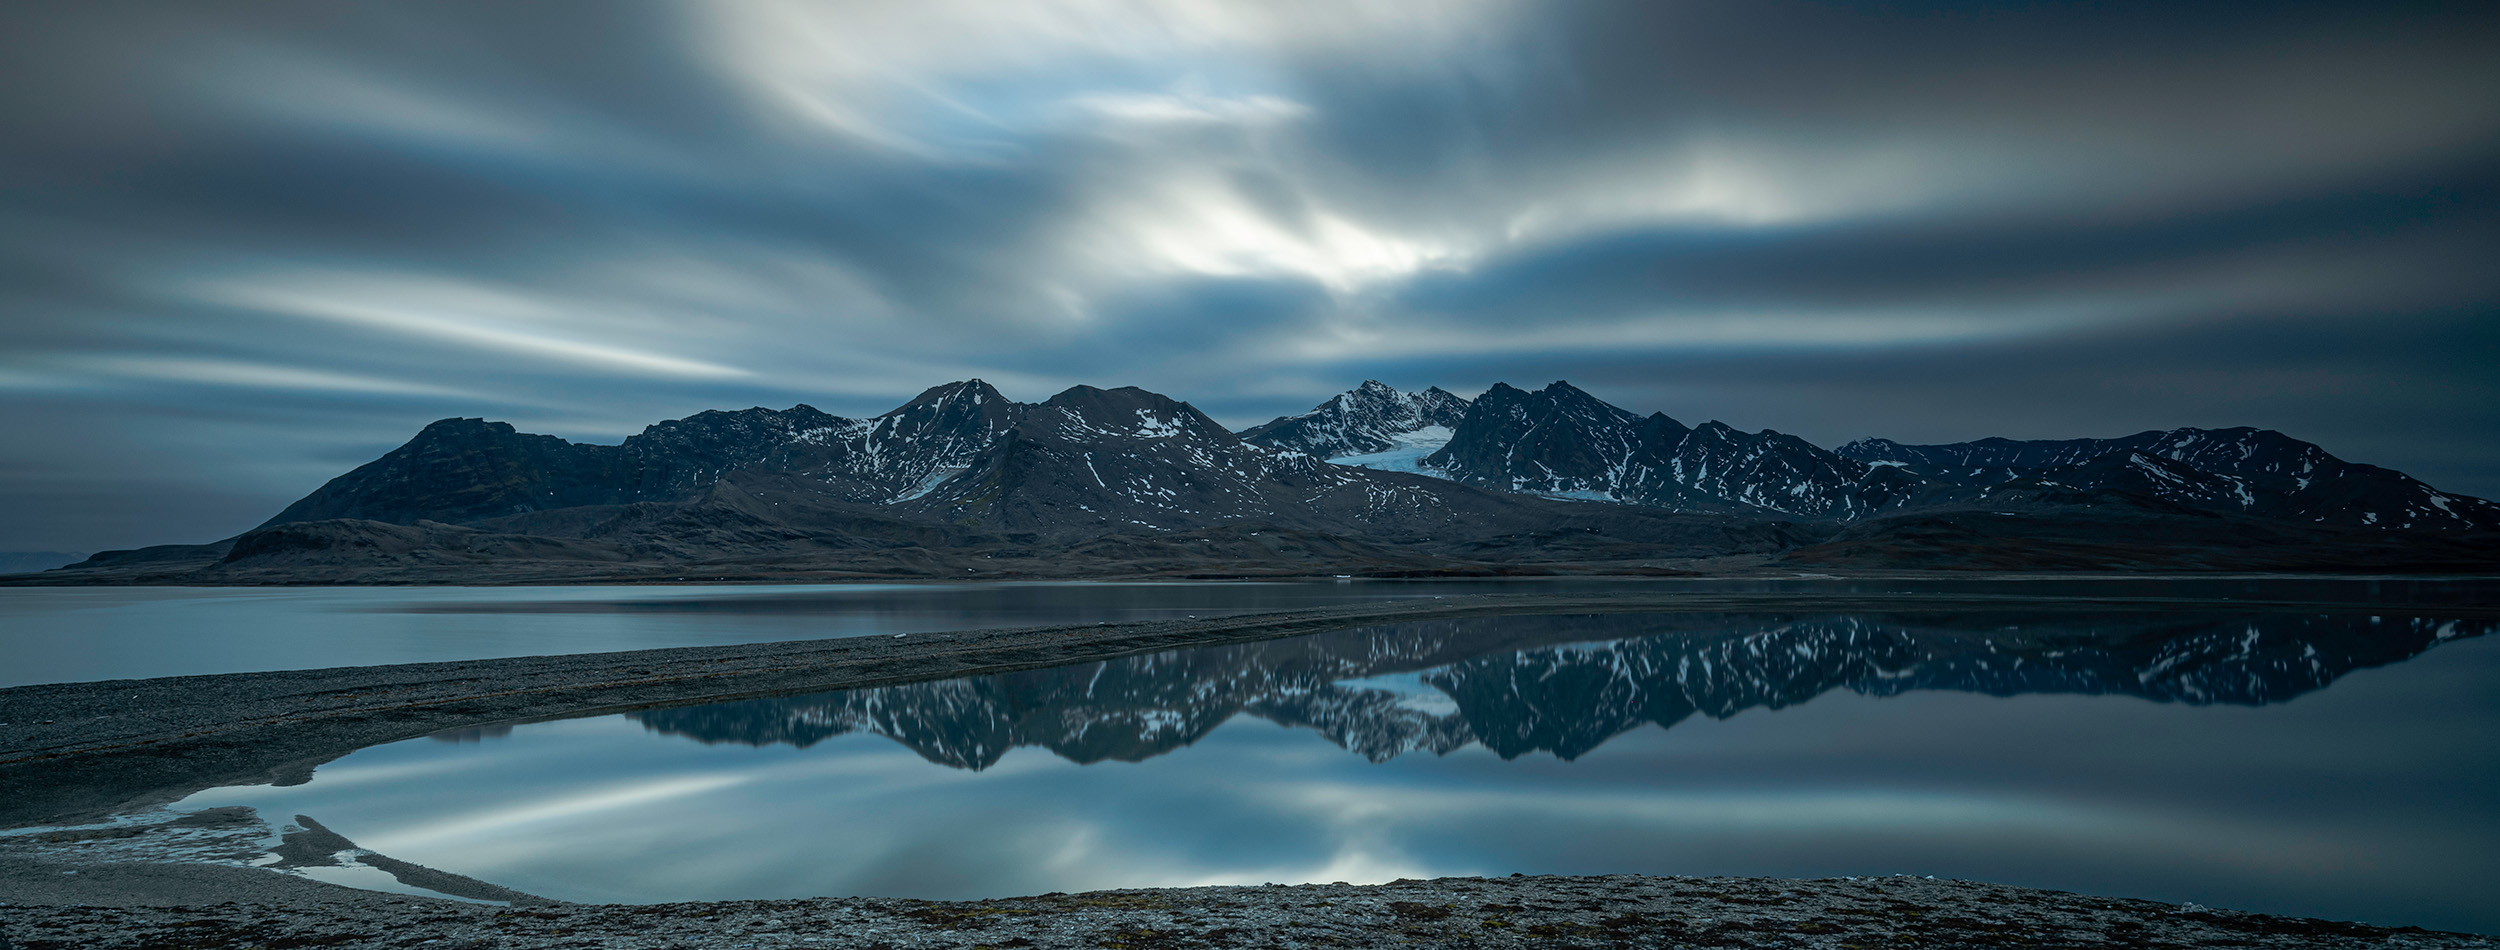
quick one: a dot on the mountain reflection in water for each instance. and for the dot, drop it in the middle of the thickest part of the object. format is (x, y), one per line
(1566, 684)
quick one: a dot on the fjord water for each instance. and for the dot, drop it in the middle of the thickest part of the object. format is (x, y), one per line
(81, 634)
(2334, 765)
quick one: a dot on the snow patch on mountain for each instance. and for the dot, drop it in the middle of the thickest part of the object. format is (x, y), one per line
(930, 482)
(1406, 454)
(1578, 495)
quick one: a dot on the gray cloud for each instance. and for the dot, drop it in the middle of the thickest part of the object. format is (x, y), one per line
(243, 247)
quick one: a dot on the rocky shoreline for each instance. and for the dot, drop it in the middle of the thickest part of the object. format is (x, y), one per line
(1591, 912)
(211, 879)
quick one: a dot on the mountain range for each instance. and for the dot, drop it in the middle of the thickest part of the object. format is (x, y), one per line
(1561, 442)
(961, 481)
(1564, 685)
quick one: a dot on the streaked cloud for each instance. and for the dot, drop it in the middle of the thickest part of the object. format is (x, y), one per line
(260, 376)
(495, 321)
(349, 221)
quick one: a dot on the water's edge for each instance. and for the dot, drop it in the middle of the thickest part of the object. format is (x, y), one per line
(78, 752)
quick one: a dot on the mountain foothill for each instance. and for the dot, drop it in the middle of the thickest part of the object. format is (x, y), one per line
(961, 482)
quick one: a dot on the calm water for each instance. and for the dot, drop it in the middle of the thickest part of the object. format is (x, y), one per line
(2324, 765)
(59, 635)
(67, 635)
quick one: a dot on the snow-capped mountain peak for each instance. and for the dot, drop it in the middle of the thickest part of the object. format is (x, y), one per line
(1370, 419)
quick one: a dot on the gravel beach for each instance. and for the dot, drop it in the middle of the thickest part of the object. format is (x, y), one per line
(1598, 911)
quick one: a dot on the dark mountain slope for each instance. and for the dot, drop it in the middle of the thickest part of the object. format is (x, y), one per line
(1556, 441)
(2261, 472)
(678, 458)
(1091, 459)
(460, 470)
(904, 453)
(1562, 442)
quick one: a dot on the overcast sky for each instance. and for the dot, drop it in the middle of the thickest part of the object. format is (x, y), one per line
(247, 246)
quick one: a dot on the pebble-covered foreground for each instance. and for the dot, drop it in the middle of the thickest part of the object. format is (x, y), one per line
(1613, 911)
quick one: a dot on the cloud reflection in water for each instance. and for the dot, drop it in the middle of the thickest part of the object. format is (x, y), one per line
(1833, 745)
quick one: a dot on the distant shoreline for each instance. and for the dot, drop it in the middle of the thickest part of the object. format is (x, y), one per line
(1734, 569)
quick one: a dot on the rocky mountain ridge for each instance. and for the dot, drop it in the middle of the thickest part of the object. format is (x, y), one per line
(963, 452)
(961, 481)
(2257, 471)
(1561, 442)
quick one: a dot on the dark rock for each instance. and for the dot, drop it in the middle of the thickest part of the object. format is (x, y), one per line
(1563, 442)
(2261, 472)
